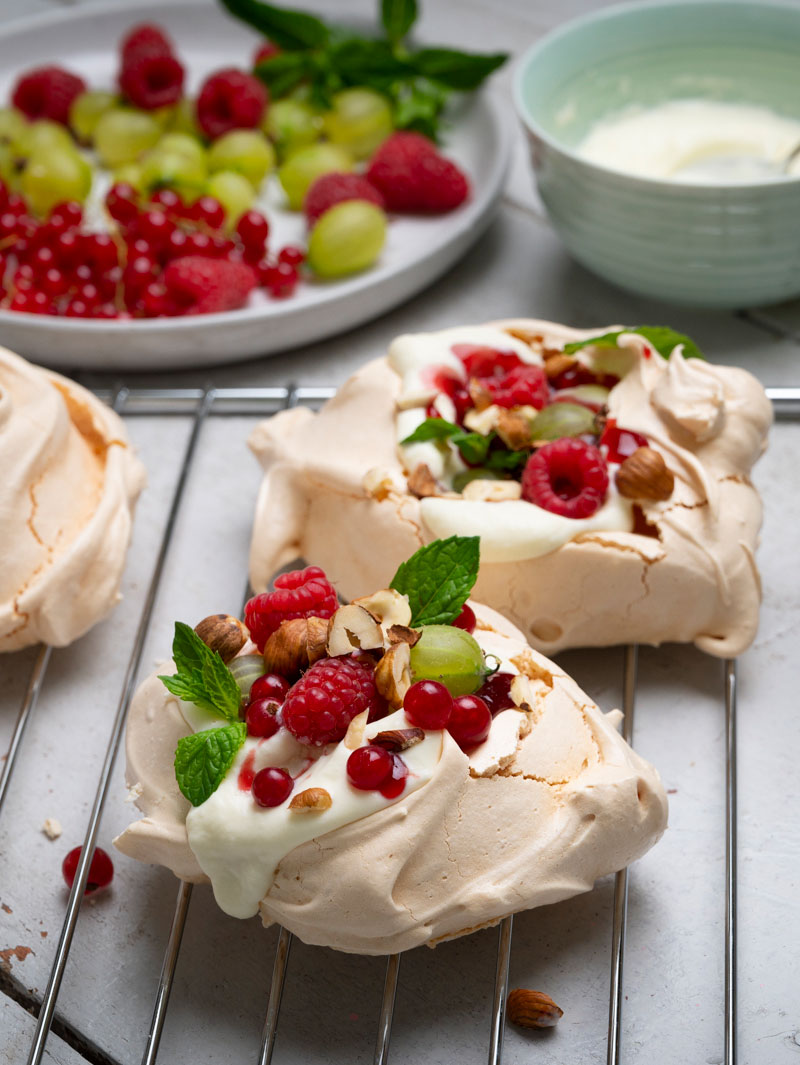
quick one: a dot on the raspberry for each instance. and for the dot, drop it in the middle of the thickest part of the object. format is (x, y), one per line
(205, 286)
(230, 99)
(334, 188)
(303, 593)
(151, 80)
(325, 700)
(412, 176)
(144, 39)
(621, 443)
(481, 361)
(524, 385)
(567, 477)
(47, 92)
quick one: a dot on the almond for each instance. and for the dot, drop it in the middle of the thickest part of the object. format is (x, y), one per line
(479, 394)
(532, 1009)
(421, 482)
(526, 335)
(222, 633)
(312, 800)
(398, 739)
(514, 430)
(557, 363)
(644, 475)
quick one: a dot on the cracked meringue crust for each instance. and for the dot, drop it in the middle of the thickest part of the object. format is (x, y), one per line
(67, 492)
(533, 815)
(335, 490)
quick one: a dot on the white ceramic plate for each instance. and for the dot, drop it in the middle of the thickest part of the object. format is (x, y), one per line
(417, 249)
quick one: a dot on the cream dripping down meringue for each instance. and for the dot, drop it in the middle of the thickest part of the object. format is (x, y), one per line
(69, 485)
(335, 490)
(551, 800)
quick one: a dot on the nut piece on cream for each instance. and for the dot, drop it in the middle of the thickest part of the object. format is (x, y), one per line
(651, 569)
(551, 800)
(69, 485)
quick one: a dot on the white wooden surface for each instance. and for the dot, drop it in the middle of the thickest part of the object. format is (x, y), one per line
(673, 967)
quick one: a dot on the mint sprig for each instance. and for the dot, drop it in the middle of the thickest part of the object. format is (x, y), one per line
(475, 448)
(663, 339)
(203, 759)
(202, 677)
(329, 58)
(438, 579)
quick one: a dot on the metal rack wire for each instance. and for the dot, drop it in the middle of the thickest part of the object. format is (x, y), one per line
(201, 404)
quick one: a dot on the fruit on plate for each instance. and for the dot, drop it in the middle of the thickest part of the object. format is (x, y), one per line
(606, 472)
(363, 800)
(63, 142)
(66, 511)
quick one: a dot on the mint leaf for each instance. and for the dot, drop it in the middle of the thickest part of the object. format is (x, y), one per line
(474, 447)
(202, 677)
(456, 70)
(398, 16)
(418, 102)
(359, 61)
(506, 460)
(438, 579)
(292, 30)
(203, 759)
(663, 339)
(282, 72)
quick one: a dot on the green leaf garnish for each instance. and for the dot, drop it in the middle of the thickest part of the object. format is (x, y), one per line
(203, 759)
(202, 677)
(397, 18)
(663, 339)
(438, 579)
(328, 58)
(463, 71)
(291, 30)
(474, 447)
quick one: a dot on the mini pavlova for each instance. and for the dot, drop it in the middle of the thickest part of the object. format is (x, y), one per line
(606, 474)
(394, 772)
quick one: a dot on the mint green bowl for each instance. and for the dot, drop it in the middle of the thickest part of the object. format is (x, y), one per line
(706, 245)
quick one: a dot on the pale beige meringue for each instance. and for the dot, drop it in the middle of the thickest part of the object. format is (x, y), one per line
(530, 818)
(335, 491)
(67, 492)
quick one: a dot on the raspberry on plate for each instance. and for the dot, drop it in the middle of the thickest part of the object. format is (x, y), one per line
(146, 38)
(321, 705)
(205, 286)
(335, 187)
(411, 175)
(567, 477)
(151, 80)
(523, 386)
(230, 99)
(302, 593)
(47, 92)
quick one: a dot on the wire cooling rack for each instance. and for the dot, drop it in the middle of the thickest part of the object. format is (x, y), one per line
(199, 405)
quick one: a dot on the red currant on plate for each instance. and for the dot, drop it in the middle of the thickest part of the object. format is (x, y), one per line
(101, 869)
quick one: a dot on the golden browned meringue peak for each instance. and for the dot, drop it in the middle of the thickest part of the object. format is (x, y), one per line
(553, 799)
(335, 489)
(68, 487)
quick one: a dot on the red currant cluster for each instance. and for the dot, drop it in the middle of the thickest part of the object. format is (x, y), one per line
(54, 267)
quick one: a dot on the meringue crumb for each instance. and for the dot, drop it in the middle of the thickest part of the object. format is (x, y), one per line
(52, 828)
(134, 792)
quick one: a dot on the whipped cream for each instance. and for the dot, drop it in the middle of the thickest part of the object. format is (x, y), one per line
(68, 488)
(697, 141)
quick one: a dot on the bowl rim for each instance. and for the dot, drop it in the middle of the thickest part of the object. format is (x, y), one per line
(532, 54)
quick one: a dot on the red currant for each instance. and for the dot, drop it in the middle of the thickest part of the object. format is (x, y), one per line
(209, 211)
(68, 248)
(269, 686)
(154, 299)
(368, 768)
(122, 202)
(466, 619)
(428, 704)
(281, 280)
(43, 258)
(621, 443)
(76, 308)
(139, 272)
(261, 719)
(199, 244)
(101, 251)
(272, 786)
(169, 201)
(176, 246)
(253, 230)
(70, 212)
(470, 720)
(155, 227)
(292, 255)
(101, 869)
